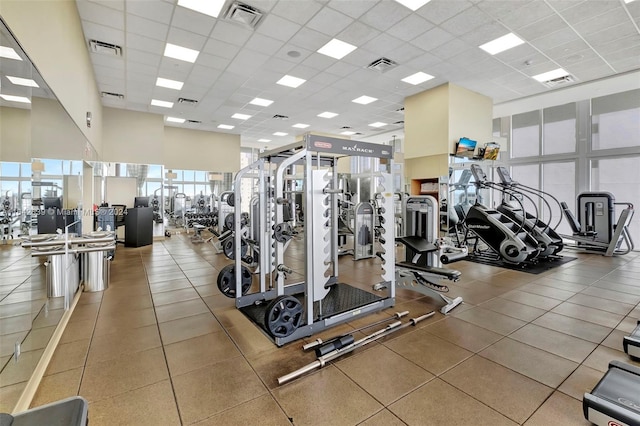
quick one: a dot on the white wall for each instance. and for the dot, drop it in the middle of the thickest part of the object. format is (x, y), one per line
(53, 134)
(132, 137)
(15, 134)
(470, 115)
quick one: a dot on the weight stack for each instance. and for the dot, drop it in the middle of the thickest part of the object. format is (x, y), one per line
(631, 343)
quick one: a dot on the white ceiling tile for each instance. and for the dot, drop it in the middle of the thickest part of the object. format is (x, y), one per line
(326, 78)
(173, 67)
(438, 11)
(192, 21)
(141, 57)
(354, 9)
(147, 28)
(318, 61)
(329, 22)
(559, 5)
(385, 14)
(264, 44)
(501, 8)
(186, 39)
(113, 4)
(296, 11)
(220, 49)
(516, 54)
(567, 49)
(527, 14)
(278, 65)
(410, 27)
(452, 48)
(309, 39)
(406, 53)
(554, 39)
(586, 10)
(213, 61)
(621, 33)
(424, 62)
(278, 28)
(146, 44)
(200, 74)
(466, 21)
(358, 34)
(155, 10)
(100, 14)
(230, 32)
(432, 39)
(341, 69)
(541, 28)
(247, 63)
(103, 33)
(485, 33)
(105, 71)
(383, 44)
(603, 22)
(590, 70)
(116, 63)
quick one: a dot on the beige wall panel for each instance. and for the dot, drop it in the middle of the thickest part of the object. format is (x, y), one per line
(198, 150)
(53, 135)
(15, 134)
(426, 117)
(51, 34)
(132, 137)
(427, 167)
(470, 115)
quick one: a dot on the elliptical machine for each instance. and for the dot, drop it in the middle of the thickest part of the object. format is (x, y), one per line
(508, 239)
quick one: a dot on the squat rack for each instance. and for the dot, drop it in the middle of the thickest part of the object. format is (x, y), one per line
(319, 301)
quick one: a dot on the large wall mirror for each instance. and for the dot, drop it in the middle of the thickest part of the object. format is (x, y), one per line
(43, 159)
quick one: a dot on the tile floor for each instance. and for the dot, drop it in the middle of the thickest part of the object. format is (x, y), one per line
(162, 346)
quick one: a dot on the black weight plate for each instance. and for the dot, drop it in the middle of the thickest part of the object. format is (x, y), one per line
(229, 221)
(227, 280)
(231, 199)
(283, 316)
(228, 248)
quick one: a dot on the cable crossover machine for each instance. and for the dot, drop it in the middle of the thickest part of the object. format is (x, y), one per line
(284, 310)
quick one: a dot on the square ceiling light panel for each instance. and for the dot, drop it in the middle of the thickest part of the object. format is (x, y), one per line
(239, 116)
(9, 53)
(175, 120)
(364, 100)
(22, 81)
(163, 104)
(413, 4)
(291, 81)
(417, 78)
(378, 124)
(337, 49)
(264, 140)
(169, 84)
(207, 7)
(280, 134)
(261, 102)
(180, 53)
(327, 114)
(348, 133)
(225, 126)
(300, 126)
(550, 75)
(501, 44)
(12, 98)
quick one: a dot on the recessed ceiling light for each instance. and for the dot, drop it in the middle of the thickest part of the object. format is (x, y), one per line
(290, 81)
(163, 104)
(261, 102)
(300, 126)
(501, 44)
(181, 53)
(417, 78)
(169, 84)
(337, 49)
(280, 134)
(22, 81)
(225, 126)
(13, 98)
(264, 140)
(9, 53)
(175, 120)
(413, 4)
(328, 114)
(208, 7)
(364, 100)
(348, 133)
(550, 75)
(628, 1)
(241, 116)
(378, 124)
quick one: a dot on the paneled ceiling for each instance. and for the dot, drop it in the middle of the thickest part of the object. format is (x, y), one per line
(590, 39)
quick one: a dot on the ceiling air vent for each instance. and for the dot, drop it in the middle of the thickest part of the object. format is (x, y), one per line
(187, 101)
(194, 121)
(105, 48)
(399, 122)
(243, 14)
(280, 117)
(382, 65)
(112, 95)
(401, 109)
(554, 82)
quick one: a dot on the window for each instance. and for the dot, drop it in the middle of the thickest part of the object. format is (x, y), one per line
(559, 129)
(559, 181)
(621, 177)
(525, 140)
(615, 120)
(52, 167)
(529, 175)
(10, 169)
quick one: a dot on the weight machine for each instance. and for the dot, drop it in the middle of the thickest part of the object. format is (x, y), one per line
(596, 230)
(287, 312)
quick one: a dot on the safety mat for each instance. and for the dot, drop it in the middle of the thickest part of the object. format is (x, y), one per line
(532, 268)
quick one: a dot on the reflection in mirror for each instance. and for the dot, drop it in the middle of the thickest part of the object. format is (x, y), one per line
(32, 124)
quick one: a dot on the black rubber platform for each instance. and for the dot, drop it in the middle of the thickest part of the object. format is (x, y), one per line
(341, 298)
(532, 268)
